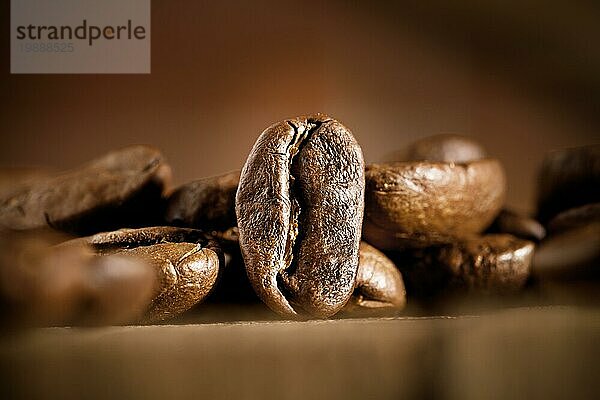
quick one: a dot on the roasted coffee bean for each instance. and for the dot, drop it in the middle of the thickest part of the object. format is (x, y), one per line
(446, 148)
(186, 262)
(490, 264)
(570, 254)
(189, 273)
(39, 286)
(118, 290)
(44, 284)
(107, 242)
(419, 203)
(13, 179)
(299, 208)
(568, 178)
(574, 218)
(122, 188)
(207, 203)
(379, 284)
(518, 225)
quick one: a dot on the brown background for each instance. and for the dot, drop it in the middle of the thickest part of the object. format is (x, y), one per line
(522, 77)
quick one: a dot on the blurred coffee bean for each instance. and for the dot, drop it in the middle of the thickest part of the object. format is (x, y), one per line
(568, 178)
(570, 254)
(118, 290)
(43, 283)
(299, 208)
(518, 225)
(446, 148)
(207, 203)
(378, 282)
(484, 265)
(419, 203)
(574, 218)
(39, 285)
(122, 188)
(186, 263)
(13, 179)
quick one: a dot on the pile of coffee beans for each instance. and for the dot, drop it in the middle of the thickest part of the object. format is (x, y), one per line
(305, 227)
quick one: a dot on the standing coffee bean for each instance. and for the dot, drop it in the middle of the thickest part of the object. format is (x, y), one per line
(208, 203)
(378, 282)
(185, 260)
(418, 203)
(122, 188)
(446, 148)
(299, 208)
(568, 178)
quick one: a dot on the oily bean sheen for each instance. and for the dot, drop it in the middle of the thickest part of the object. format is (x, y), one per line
(379, 284)
(446, 148)
(122, 188)
(185, 260)
(418, 203)
(299, 208)
(208, 203)
(568, 178)
(489, 264)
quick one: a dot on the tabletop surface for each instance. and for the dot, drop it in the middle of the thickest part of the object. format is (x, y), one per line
(533, 352)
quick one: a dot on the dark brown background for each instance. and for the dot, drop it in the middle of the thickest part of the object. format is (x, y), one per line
(522, 77)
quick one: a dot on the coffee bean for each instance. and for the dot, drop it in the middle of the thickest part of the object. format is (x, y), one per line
(44, 284)
(378, 282)
(574, 218)
(484, 265)
(118, 290)
(207, 203)
(186, 262)
(446, 148)
(568, 178)
(299, 208)
(516, 224)
(419, 203)
(106, 242)
(570, 254)
(14, 179)
(122, 188)
(39, 286)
